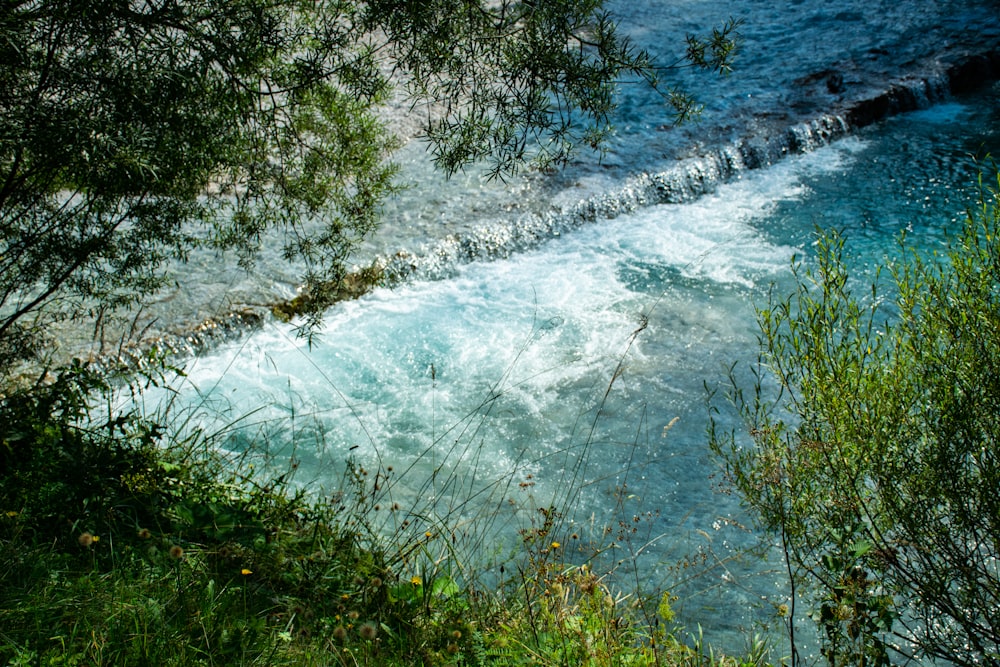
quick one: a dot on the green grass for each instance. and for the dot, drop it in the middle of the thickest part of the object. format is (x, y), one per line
(121, 544)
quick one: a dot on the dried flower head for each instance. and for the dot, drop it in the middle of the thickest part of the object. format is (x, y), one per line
(176, 552)
(340, 633)
(85, 540)
(144, 534)
(368, 631)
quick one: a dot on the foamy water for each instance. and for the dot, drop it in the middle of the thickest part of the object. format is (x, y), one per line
(524, 379)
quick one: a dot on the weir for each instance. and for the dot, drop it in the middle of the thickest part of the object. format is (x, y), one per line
(499, 236)
(690, 178)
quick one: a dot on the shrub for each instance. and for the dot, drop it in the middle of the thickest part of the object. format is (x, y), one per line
(875, 430)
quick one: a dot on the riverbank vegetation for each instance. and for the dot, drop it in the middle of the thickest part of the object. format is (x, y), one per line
(129, 539)
(123, 542)
(133, 134)
(873, 458)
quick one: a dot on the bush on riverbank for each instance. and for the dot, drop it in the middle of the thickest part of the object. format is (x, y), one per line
(121, 544)
(874, 428)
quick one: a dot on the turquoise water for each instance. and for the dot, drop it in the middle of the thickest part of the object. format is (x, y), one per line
(787, 50)
(575, 374)
(516, 369)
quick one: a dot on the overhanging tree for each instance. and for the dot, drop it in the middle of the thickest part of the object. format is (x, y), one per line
(133, 131)
(875, 436)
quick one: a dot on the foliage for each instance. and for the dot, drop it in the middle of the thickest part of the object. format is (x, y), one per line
(875, 429)
(132, 133)
(570, 615)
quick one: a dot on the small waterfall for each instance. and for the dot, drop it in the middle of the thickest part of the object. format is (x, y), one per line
(687, 180)
(906, 95)
(498, 237)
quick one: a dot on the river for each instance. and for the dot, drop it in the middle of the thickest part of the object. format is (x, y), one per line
(551, 340)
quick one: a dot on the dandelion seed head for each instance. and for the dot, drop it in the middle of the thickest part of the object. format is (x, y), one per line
(368, 631)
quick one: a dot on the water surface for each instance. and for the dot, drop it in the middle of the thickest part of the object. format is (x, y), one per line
(572, 370)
